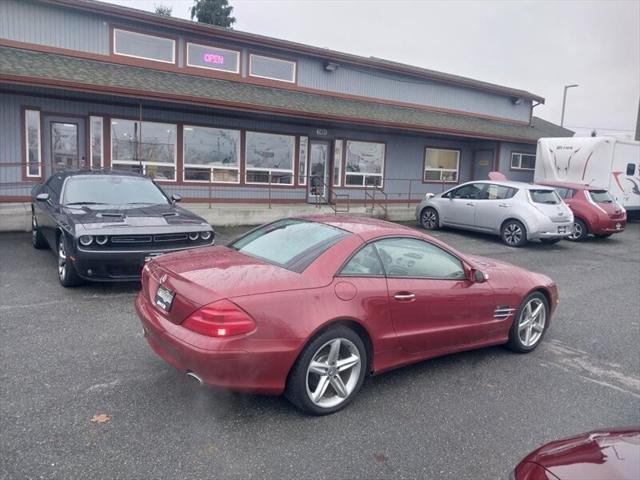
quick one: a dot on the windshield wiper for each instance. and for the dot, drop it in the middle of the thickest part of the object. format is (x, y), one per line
(85, 203)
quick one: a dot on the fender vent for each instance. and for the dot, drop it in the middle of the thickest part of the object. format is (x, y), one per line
(502, 313)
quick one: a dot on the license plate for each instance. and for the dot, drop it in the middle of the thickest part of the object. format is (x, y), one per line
(562, 229)
(164, 298)
(618, 226)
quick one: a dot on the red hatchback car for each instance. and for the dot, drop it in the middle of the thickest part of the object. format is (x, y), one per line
(595, 211)
(310, 306)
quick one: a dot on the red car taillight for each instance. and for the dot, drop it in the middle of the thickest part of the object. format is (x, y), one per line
(220, 319)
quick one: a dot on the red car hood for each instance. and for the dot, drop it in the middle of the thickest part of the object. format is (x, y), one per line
(611, 455)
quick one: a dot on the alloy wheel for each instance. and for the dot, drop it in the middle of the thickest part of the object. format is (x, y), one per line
(62, 259)
(513, 234)
(577, 231)
(429, 219)
(532, 322)
(333, 373)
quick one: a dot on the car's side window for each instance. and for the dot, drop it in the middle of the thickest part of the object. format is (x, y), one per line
(414, 258)
(54, 187)
(475, 191)
(365, 263)
(499, 192)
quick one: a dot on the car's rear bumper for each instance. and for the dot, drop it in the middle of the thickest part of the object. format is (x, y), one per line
(552, 230)
(609, 226)
(240, 364)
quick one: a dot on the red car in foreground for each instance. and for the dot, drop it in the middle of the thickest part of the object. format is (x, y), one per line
(600, 455)
(310, 306)
(595, 211)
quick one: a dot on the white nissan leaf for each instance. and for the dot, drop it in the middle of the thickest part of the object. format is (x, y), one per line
(516, 211)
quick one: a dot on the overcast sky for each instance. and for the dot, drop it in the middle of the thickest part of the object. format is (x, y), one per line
(538, 46)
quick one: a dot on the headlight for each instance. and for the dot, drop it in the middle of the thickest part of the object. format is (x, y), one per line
(193, 236)
(205, 235)
(86, 240)
(101, 239)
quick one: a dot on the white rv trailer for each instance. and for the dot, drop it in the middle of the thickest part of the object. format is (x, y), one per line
(604, 162)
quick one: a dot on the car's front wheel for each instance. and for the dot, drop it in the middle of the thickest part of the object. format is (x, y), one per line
(429, 219)
(66, 271)
(513, 233)
(37, 240)
(329, 372)
(529, 324)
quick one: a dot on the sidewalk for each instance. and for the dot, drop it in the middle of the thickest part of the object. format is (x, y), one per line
(16, 217)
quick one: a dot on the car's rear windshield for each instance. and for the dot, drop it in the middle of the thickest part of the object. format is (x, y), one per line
(291, 243)
(601, 196)
(111, 189)
(545, 196)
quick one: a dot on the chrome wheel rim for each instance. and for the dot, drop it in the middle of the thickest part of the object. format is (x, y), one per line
(577, 231)
(532, 322)
(34, 229)
(333, 373)
(62, 259)
(429, 219)
(513, 234)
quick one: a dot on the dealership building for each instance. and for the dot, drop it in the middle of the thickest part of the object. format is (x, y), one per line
(214, 113)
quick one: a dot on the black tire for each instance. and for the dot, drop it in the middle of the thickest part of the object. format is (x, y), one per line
(37, 240)
(67, 274)
(429, 219)
(297, 391)
(515, 342)
(513, 233)
(580, 231)
(550, 241)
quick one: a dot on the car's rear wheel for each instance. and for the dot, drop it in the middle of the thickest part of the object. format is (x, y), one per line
(429, 219)
(37, 240)
(66, 271)
(580, 231)
(513, 233)
(529, 324)
(329, 372)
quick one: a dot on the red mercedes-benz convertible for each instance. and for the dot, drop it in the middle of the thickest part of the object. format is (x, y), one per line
(310, 306)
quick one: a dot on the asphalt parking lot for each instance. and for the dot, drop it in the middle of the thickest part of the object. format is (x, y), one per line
(67, 355)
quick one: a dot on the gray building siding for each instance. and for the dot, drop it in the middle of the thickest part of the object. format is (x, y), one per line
(404, 153)
(26, 21)
(505, 161)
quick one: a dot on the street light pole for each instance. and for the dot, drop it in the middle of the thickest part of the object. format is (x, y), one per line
(564, 101)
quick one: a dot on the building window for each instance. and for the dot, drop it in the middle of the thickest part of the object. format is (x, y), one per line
(146, 47)
(211, 154)
(337, 162)
(365, 164)
(147, 147)
(441, 165)
(302, 160)
(523, 161)
(213, 58)
(32, 143)
(269, 158)
(272, 68)
(96, 153)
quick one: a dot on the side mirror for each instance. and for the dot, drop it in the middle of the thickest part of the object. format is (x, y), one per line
(176, 198)
(478, 276)
(42, 197)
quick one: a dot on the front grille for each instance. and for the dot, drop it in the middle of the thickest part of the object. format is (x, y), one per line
(502, 313)
(170, 237)
(131, 239)
(148, 243)
(616, 216)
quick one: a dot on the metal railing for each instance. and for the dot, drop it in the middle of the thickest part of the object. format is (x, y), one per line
(214, 187)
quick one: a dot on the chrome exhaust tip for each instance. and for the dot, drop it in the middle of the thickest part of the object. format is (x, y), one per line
(195, 377)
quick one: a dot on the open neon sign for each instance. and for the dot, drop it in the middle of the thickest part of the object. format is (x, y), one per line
(213, 58)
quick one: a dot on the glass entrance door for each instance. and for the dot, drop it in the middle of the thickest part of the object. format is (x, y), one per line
(318, 189)
(64, 145)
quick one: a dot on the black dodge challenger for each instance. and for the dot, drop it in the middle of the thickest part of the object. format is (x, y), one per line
(105, 225)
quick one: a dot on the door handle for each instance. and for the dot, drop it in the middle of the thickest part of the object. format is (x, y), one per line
(471, 204)
(503, 205)
(405, 296)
